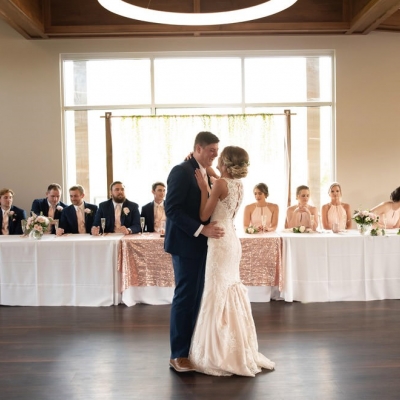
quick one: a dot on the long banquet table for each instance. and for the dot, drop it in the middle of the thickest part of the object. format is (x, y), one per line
(71, 270)
(147, 274)
(341, 267)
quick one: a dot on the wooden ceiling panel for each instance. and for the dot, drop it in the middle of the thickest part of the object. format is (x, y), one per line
(49, 19)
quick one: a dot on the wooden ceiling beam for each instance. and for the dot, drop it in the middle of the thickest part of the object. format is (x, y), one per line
(25, 16)
(372, 15)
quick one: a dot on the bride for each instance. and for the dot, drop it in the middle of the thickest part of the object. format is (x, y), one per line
(225, 340)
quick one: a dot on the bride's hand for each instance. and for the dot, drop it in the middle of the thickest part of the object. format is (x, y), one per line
(200, 180)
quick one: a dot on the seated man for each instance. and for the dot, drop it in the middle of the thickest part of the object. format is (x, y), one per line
(121, 215)
(79, 216)
(50, 206)
(10, 216)
(153, 212)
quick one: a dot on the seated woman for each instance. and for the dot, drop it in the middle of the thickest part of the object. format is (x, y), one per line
(254, 212)
(389, 211)
(302, 214)
(336, 211)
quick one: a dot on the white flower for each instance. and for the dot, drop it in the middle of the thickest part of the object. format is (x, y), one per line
(379, 232)
(250, 230)
(88, 211)
(126, 210)
(302, 229)
(59, 208)
(11, 213)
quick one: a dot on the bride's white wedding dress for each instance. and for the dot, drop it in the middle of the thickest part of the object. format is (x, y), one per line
(225, 340)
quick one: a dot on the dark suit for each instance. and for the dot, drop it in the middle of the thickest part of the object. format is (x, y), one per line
(130, 220)
(69, 220)
(14, 221)
(148, 214)
(182, 207)
(42, 206)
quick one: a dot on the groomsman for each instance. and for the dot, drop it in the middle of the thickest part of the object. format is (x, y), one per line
(10, 216)
(153, 212)
(79, 216)
(122, 215)
(50, 206)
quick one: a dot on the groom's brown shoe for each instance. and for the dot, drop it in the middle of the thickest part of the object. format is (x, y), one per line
(181, 364)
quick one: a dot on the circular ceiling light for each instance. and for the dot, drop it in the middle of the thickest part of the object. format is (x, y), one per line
(218, 18)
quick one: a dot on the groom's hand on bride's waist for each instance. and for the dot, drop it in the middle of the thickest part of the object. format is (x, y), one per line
(212, 230)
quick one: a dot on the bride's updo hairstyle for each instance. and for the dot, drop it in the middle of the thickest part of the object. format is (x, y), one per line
(236, 161)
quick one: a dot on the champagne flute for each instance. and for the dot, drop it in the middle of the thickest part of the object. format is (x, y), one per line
(384, 221)
(103, 225)
(162, 229)
(142, 223)
(23, 226)
(56, 222)
(263, 222)
(312, 221)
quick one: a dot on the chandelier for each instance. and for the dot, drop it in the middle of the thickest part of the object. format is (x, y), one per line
(262, 10)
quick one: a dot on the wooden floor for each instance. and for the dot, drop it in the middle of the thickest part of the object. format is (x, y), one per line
(347, 350)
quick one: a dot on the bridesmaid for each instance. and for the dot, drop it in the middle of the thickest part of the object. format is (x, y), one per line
(336, 211)
(302, 214)
(253, 212)
(389, 211)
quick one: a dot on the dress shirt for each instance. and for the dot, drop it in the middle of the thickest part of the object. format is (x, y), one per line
(80, 215)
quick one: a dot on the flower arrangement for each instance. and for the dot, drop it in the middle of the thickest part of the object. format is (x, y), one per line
(37, 224)
(251, 229)
(301, 229)
(126, 210)
(377, 232)
(365, 217)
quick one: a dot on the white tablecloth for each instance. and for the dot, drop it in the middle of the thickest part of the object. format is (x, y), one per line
(323, 267)
(72, 270)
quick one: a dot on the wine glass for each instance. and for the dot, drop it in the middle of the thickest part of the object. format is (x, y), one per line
(264, 222)
(23, 225)
(384, 221)
(142, 223)
(312, 221)
(103, 225)
(56, 222)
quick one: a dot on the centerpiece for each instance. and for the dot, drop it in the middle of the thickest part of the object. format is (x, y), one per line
(37, 225)
(251, 229)
(364, 220)
(301, 229)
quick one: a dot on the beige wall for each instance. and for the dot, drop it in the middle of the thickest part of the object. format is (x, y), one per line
(367, 118)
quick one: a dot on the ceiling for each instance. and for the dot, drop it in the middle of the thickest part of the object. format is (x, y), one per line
(52, 19)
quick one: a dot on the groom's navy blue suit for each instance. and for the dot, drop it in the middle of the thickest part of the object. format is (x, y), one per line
(69, 220)
(14, 221)
(182, 207)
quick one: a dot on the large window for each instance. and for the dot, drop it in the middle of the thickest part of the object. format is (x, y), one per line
(159, 103)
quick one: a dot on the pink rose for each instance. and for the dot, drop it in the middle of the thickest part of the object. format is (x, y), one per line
(59, 208)
(126, 210)
(88, 211)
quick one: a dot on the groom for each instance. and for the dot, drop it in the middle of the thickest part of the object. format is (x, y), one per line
(186, 240)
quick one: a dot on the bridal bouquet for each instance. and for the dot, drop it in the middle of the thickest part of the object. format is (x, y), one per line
(377, 232)
(37, 224)
(251, 229)
(365, 217)
(301, 229)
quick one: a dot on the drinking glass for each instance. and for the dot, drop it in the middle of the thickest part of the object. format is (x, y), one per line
(103, 225)
(264, 222)
(142, 223)
(56, 222)
(23, 225)
(312, 221)
(384, 221)
(162, 229)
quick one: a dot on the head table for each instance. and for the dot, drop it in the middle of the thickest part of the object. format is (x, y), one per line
(83, 270)
(70, 270)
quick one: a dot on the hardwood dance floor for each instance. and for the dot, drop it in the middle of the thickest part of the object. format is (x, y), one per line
(346, 350)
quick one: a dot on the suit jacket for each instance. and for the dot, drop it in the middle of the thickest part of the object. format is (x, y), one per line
(148, 214)
(130, 220)
(182, 209)
(69, 220)
(42, 206)
(14, 221)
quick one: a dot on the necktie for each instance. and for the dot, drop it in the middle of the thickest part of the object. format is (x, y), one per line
(4, 228)
(158, 217)
(51, 211)
(117, 216)
(81, 220)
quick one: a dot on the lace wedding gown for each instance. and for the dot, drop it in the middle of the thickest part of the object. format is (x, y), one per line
(225, 340)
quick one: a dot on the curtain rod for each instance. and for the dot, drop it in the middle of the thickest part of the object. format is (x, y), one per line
(108, 115)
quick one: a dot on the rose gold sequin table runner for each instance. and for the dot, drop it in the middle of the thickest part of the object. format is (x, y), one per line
(143, 262)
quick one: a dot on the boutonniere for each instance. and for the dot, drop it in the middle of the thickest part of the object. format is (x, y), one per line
(12, 215)
(59, 208)
(88, 211)
(126, 210)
